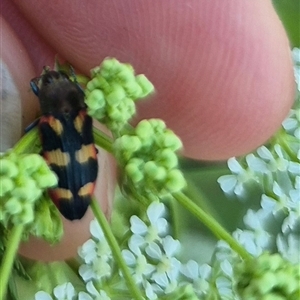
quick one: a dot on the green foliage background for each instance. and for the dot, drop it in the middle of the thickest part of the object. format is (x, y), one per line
(289, 13)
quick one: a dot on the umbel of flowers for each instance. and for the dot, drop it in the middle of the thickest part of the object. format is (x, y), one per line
(150, 164)
(23, 178)
(268, 277)
(146, 154)
(111, 93)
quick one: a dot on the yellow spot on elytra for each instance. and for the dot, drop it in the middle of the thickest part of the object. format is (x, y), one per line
(56, 126)
(86, 152)
(78, 123)
(57, 157)
(63, 194)
(86, 190)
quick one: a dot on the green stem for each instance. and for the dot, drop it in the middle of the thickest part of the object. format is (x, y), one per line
(8, 258)
(212, 224)
(103, 140)
(27, 142)
(132, 286)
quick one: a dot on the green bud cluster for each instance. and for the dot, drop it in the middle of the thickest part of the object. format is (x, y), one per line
(149, 159)
(268, 277)
(22, 181)
(111, 93)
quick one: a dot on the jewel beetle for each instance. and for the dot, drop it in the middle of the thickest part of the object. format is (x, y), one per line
(66, 135)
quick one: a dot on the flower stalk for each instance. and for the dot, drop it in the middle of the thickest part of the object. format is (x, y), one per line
(27, 142)
(9, 257)
(100, 217)
(211, 223)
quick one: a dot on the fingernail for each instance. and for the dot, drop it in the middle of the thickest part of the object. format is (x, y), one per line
(10, 109)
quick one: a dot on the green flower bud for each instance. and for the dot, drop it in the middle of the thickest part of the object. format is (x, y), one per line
(95, 100)
(98, 114)
(92, 84)
(120, 87)
(150, 169)
(13, 206)
(28, 190)
(169, 140)
(175, 181)
(6, 185)
(129, 143)
(30, 163)
(116, 96)
(45, 180)
(158, 125)
(133, 90)
(133, 171)
(26, 215)
(8, 168)
(109, 66)
(160, 174)
(20, 193)
(144, 130)
(146, 86)
(167, 158)
(267, 277)
(154, 171)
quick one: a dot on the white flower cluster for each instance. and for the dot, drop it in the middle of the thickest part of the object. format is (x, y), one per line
(154, 265)
(96, 254)
(276, 169)
(151, 253)
(97, 261)
(67, 291)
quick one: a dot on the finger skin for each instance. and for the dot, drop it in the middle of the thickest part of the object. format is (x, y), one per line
(38, 50)
(222, 70)
(18, 105)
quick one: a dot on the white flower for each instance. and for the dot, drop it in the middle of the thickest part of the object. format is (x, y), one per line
(254, 242)
(65, 291)
(167, 266)
(97, 294)
(41, 295)
(224, 286)
(96, 254)
(137, 262)
(84, 296)
(296, 58)
(149, 289)
(88, 251)
(234, 183)
(96, 247)
(193, 270)
(288, 246)
(275, 161)
(199, 275)
(97, 269)
(96, 230)
(156, 229)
